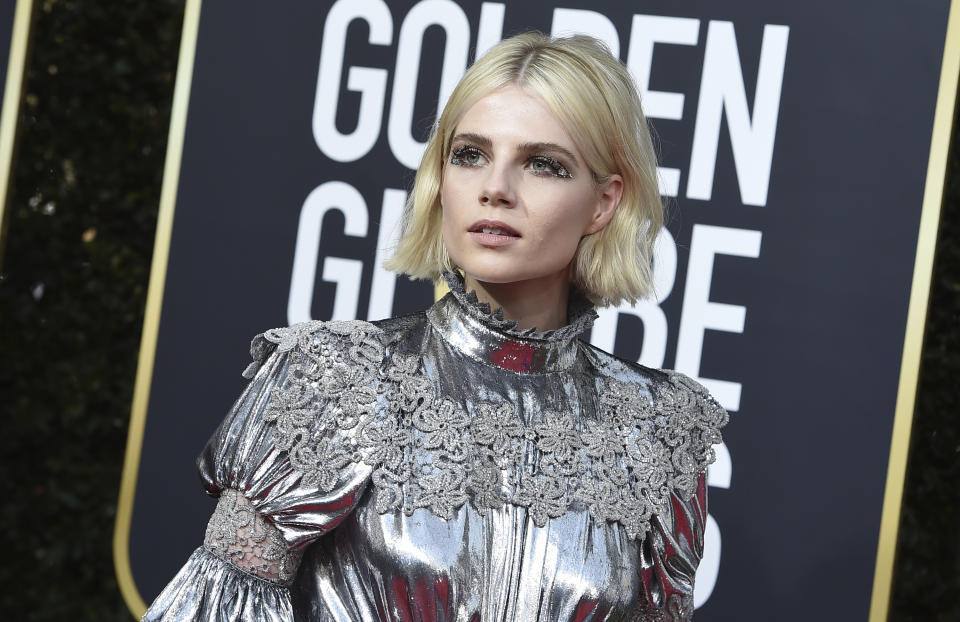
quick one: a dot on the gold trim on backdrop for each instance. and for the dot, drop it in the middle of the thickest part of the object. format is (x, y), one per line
(16, 68)
(916, 318)
(151, 322)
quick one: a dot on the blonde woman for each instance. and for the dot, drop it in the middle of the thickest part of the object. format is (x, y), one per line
(461, 463)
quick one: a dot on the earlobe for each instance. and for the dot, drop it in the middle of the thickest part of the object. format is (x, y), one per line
(608, 200)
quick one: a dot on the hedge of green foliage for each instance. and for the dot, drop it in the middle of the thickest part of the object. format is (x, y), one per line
(81, 221)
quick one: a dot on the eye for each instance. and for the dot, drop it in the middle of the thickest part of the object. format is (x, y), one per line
(552, 167)
(466, 156)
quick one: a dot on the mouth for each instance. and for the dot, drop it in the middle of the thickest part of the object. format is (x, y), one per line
(493, 228)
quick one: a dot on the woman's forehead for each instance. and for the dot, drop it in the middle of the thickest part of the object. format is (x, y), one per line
(512, 115)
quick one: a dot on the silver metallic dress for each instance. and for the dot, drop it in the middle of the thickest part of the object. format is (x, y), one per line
(446, 466)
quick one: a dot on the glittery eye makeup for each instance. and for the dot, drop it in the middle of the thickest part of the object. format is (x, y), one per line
(466, 155)
(549, 167)
(539, 164)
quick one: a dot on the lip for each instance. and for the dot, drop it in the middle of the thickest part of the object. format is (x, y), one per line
(492, 239)
(493, 224)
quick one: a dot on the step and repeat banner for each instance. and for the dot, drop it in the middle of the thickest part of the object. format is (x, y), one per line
(795, 141)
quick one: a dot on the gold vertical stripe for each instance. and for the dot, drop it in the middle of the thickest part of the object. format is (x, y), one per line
(16, 66)
(151, 322)
(916, 316)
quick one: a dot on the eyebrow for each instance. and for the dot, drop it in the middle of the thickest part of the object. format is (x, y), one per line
(550, 147)
(486, 143)
(477, 139)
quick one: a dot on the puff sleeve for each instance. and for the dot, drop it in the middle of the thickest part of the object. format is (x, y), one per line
(287, 466)
(690, 425)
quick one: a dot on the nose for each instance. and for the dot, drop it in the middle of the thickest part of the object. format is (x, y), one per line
(497, 189)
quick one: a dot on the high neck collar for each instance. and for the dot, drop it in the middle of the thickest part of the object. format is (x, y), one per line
(487, 336)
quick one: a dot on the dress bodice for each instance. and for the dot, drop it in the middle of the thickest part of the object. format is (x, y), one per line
(448, 466)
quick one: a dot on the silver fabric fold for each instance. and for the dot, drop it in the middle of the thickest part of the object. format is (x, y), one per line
(208, 588)
(446, 466)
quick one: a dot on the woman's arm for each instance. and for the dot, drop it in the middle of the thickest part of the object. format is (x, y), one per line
(277, 464)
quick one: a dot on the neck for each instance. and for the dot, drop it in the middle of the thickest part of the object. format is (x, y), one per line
(539, 303)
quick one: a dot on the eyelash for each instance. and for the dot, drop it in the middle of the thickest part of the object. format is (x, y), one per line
(557, 168)
(458, 157)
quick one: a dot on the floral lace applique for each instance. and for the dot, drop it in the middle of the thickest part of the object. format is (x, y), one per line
(427, 450)
(330, 386)
(240, 536)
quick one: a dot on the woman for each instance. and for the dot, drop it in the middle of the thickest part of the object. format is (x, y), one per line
(462, 464)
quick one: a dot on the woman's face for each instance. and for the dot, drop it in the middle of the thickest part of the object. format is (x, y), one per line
(516, 193)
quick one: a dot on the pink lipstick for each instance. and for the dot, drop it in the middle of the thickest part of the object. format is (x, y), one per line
(493, 233)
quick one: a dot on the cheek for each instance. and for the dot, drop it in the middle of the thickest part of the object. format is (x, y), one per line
(447, 208)
(448, 217)
(566, 218)
(556, 240)
(455, 196)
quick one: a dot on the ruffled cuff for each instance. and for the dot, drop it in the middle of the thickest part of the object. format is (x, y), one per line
(208, 588)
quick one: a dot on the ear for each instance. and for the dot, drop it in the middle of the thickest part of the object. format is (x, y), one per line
(607, 201)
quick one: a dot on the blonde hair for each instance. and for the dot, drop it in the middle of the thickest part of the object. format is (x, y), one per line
(594, 97)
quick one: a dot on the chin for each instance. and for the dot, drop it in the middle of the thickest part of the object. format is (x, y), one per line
(505, 274)
(501, 268)
(492, 272)
(494, 276)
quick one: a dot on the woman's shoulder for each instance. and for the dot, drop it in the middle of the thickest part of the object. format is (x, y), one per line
(313, 336)
(402, 329)
(348, 341)
(612, 367)
(669, 406)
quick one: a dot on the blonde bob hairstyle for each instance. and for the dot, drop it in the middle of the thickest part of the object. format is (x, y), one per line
(594, 98)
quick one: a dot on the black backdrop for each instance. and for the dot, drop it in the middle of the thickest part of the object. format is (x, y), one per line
(820, 266)
(6, 34)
